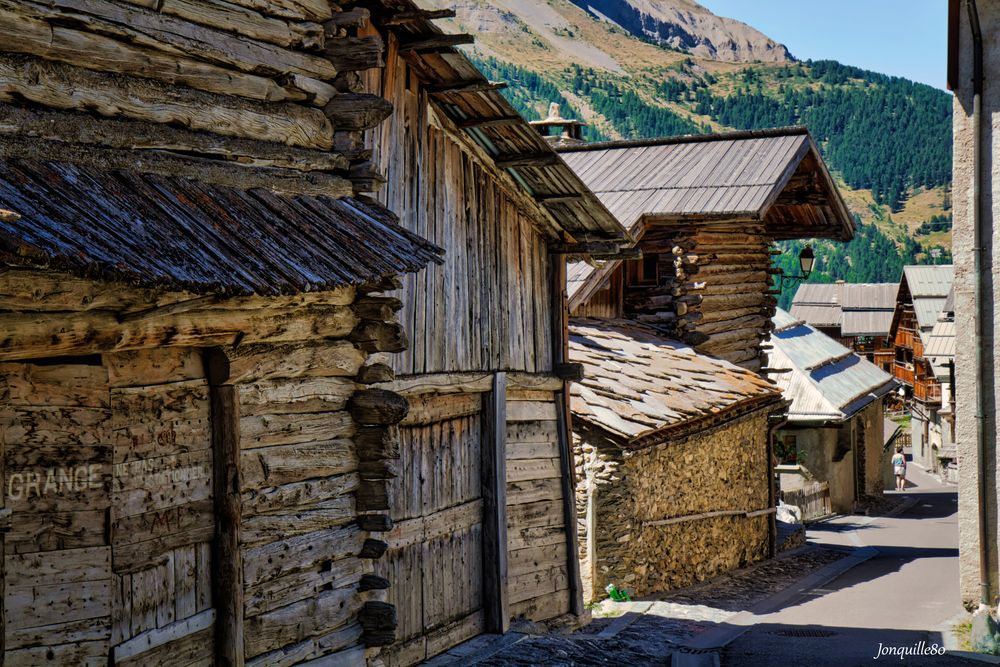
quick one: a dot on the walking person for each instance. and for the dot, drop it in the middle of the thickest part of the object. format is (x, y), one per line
(899, 468)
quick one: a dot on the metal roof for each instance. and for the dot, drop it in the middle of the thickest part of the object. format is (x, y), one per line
(180, 233)
(859, 309)
(929, 280)
(637, 384)
(727, 175)
(825, 294)
(868, 296)
(940, 348)
(927, 310)
(864, 322)
(819, 316)
(826, 382)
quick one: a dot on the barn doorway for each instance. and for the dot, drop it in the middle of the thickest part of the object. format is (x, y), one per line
(436, 546)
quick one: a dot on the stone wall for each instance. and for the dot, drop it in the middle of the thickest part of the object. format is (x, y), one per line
(964, 243)
(622, 496)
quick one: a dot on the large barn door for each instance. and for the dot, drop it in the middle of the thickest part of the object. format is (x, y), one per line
(435, 549)
(57, 456)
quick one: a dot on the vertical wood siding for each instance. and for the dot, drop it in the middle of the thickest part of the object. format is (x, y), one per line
(488, 306)
(435, 555)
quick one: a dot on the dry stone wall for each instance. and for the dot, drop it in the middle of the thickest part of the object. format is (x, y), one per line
(624, 497)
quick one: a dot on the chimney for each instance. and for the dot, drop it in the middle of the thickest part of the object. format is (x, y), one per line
(560, 131)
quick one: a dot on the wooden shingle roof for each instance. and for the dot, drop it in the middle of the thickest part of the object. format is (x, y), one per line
(641, 388)
(182, 234)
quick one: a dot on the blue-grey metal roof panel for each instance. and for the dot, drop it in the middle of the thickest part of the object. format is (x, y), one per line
(826, 380)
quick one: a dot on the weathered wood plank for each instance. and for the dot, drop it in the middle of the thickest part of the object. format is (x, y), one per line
(335, 358)
(295, 395)
(298, 495)
(282, 591)
(301, 552)
(58, 567)
(521, 411)
(261, 529)
(65, 385)
(495, 470)
(270, 430)
(42, 604)
(522, 470)
(169, 634)
(430, 409)
(286, 464)
(301, 620)
(29, 335)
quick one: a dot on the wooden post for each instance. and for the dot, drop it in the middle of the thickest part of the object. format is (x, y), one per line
(494, 481)
(227, 561)
(567, 467)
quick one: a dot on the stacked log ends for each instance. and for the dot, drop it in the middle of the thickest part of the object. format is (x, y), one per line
(379, 621)
(377, 413)
(713, 289)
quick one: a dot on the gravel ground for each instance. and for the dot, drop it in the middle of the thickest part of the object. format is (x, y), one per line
(663, 622)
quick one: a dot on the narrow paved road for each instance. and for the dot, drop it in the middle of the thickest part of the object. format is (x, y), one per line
(897, 598)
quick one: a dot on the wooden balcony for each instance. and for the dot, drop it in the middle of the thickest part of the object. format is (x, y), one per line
(927, 391)
(904, 338)
(903, 373)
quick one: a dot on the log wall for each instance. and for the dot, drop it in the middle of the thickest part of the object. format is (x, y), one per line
(255, 85)
(112, 474)
(712, 289)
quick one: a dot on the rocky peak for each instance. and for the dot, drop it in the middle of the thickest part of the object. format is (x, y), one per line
(686, 25)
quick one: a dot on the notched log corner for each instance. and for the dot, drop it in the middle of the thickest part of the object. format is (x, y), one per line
(378, 407)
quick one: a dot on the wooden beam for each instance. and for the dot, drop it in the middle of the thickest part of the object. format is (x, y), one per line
(403, 18)
(494, 487)
(558, 199)
(527, 160)
(488, 122)
(435, 43)
(564, 426)
(464, 86)
(227, 561)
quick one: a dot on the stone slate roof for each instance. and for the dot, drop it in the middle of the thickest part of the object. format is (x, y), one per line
(825, 381)
(641, 388)
(183, 234)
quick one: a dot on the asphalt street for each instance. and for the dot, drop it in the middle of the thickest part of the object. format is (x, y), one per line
(897, 598)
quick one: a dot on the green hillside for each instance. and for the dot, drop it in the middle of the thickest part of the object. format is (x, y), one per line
(879, 134)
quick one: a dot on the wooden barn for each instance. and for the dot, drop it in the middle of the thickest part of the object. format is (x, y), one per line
(482, 500)
(705, 210)
(194, 460)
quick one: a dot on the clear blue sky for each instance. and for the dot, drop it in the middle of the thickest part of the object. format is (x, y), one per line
(900, 37)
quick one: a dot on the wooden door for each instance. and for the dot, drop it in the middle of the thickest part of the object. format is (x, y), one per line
(162, 516)
(435, 554)
(56, 437)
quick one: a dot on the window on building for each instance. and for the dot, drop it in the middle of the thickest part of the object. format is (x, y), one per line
(644, 271)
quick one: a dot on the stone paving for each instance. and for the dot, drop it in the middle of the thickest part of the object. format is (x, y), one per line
(646, 632)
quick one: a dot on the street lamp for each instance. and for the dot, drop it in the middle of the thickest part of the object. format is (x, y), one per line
(806, 260)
